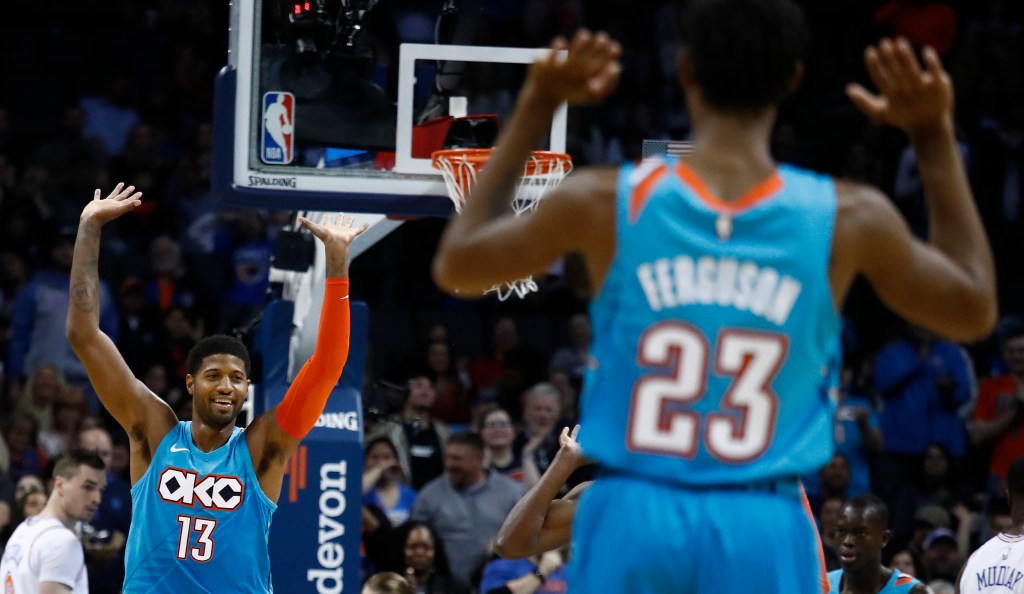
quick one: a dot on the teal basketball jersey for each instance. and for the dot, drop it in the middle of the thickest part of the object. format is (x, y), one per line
(200, 521)
(899, 583)
(716, 337)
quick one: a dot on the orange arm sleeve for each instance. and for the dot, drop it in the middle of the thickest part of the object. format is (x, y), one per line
(307, 396)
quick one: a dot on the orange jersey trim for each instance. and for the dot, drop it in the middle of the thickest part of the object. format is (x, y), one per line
(822, 572)
(764, 189)
(903, 579)
(642, 192)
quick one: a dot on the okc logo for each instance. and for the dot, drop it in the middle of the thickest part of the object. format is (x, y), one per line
(212, 491)
(278, 128)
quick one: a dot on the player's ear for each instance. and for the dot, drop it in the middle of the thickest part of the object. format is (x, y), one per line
(190, 383)
(886, 537)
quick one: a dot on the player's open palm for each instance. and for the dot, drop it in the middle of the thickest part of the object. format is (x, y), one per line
(339, 230)
(910, 96)
(585, 76)
(118, 202)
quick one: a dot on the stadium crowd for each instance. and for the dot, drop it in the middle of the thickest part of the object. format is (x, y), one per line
(464, 401)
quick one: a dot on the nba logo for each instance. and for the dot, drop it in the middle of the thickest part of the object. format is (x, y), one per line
(278, 128)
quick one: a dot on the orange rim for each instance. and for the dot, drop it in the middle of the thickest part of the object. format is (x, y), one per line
(478, 156)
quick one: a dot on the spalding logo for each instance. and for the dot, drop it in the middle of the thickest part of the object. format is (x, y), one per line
(348, 421)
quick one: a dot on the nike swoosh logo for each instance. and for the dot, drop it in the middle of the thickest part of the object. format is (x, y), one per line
(177, 449)
(345, 297)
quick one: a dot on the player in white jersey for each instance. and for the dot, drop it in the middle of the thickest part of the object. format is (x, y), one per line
(998, 566)
(44, 555)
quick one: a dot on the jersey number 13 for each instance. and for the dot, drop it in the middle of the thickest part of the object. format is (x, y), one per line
(202, 551)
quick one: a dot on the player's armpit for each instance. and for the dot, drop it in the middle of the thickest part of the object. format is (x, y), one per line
(53, 588)
(572, 217)
(915, 279)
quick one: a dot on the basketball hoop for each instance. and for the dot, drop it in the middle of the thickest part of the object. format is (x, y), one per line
(543, 171)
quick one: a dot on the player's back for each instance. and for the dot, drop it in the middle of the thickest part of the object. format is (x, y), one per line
(997, 566)
(42, 549)
(898, 583)
(715, 334)
(200, 520)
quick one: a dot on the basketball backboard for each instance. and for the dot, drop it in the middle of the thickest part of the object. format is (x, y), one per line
(318, 109)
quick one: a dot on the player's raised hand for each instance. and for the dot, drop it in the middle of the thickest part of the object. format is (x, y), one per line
(585, 76)
(569, 448)
(339, 230)
(567, 439)
(118, 202)
(910, 96)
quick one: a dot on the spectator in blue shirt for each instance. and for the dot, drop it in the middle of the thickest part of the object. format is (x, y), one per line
(857, 433)
(384, 482)
(924, 382)
(37, 326)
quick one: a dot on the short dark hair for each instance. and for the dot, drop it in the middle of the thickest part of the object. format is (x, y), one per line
(401, 537)
(218, 344)
(69, 462)
(423, 371)
(21, 417)
(467, 438)
(870, 504)
(997, 506)
(1015, 479)
(744, 52)
(382, 439)
(487, 414)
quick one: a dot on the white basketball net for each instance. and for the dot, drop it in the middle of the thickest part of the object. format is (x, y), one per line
(540, 175)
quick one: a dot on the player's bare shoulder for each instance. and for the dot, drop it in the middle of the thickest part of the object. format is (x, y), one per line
(591, 191)
(859, 205)
(865, 221)
(584, 207)
(920, 588)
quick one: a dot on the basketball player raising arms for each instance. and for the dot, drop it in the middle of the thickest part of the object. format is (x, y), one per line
(718, 280)
(203, 491)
